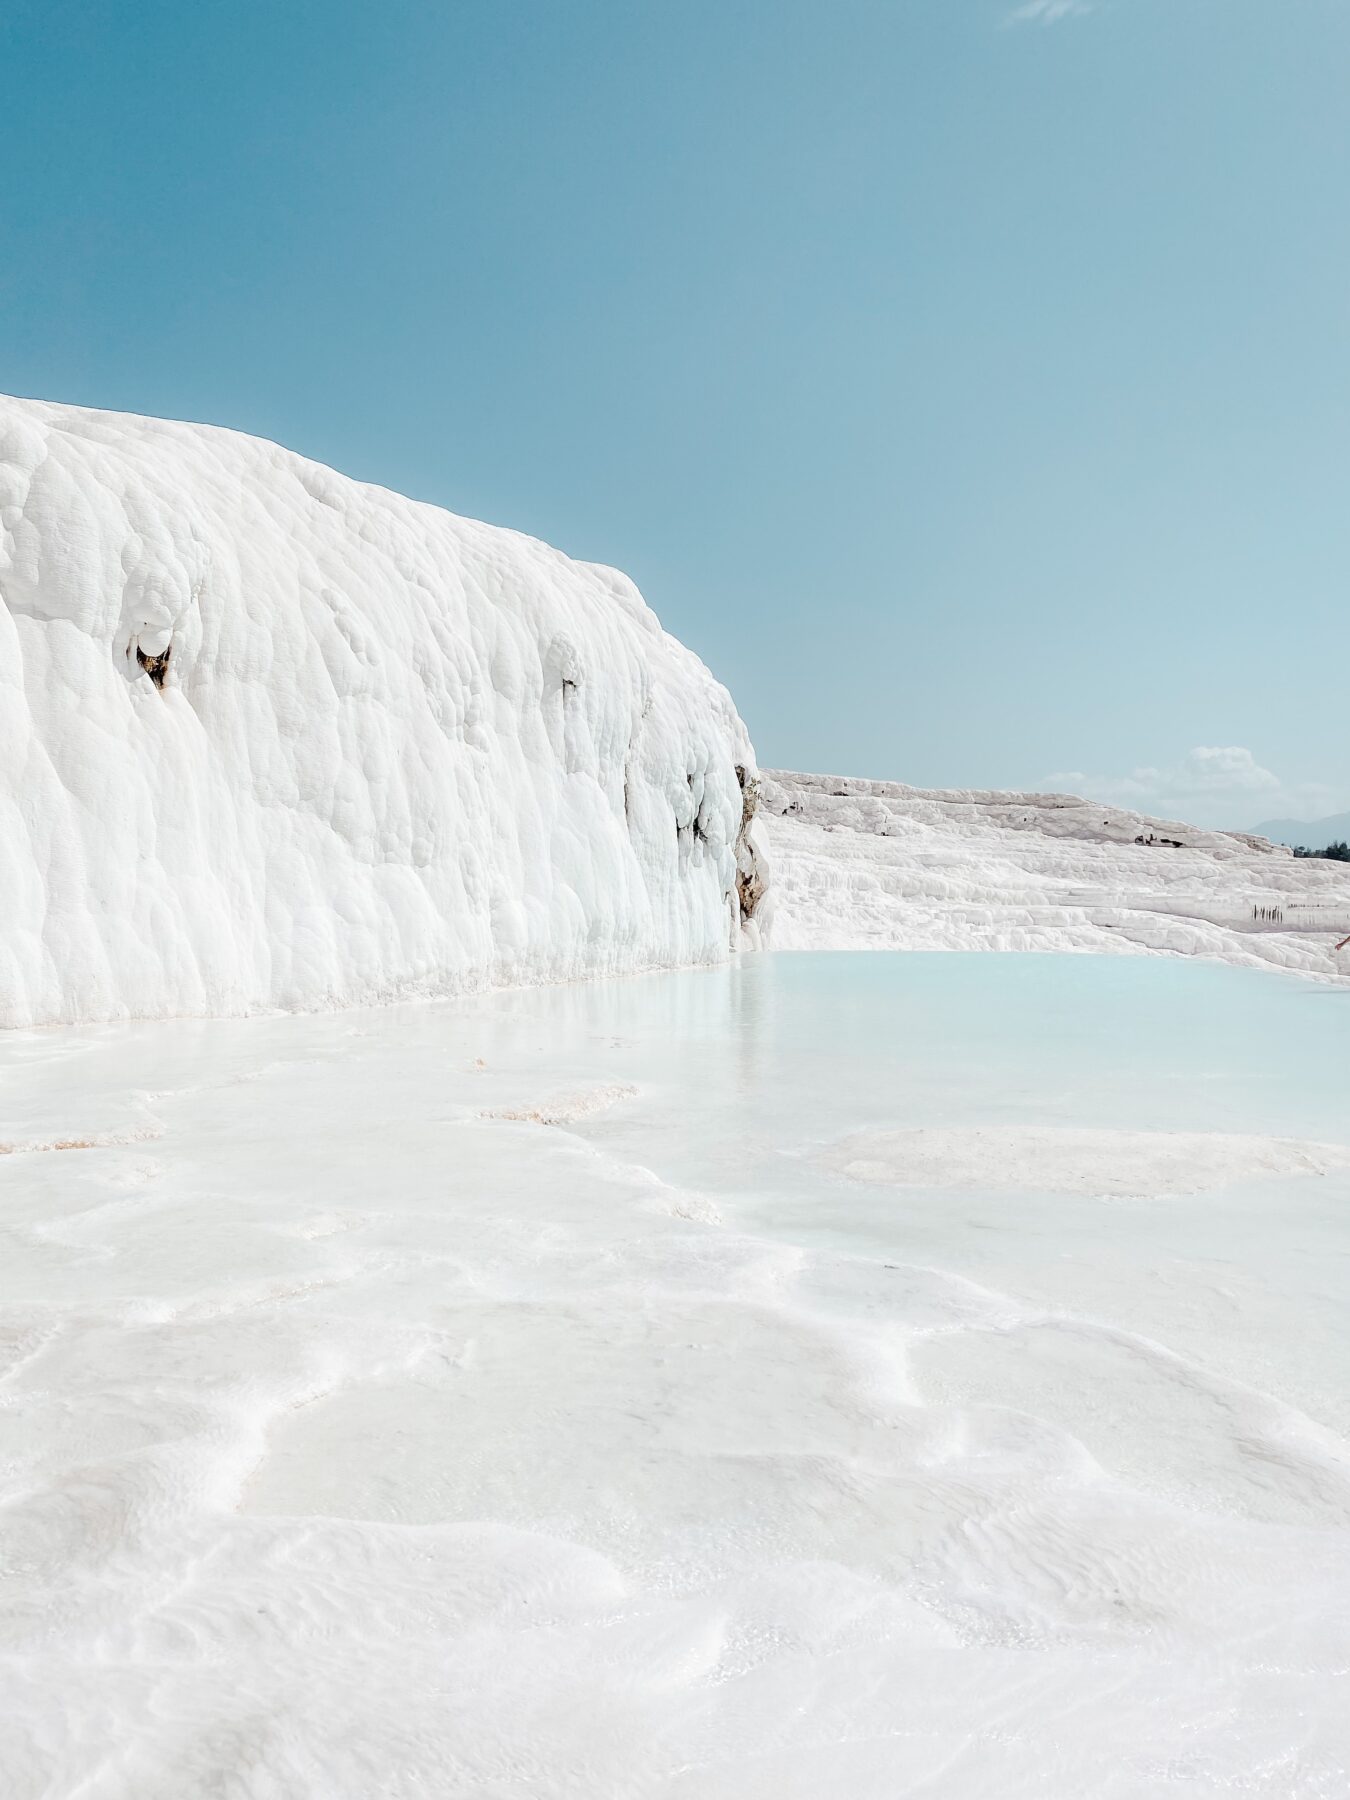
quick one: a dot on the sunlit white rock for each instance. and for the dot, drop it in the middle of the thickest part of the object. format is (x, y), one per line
(270, 737)
(876, 865)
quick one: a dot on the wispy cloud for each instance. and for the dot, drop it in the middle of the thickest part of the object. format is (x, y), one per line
(1211, 785)
(1048, 12)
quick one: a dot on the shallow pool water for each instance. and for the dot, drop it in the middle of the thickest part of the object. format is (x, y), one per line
(829, 1374)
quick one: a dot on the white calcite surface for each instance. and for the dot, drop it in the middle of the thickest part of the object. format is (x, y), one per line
(502, 1400)
(1064, 1160)
(875, 865)
(271, 737)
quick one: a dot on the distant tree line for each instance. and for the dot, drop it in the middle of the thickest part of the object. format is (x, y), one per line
(1338, 852)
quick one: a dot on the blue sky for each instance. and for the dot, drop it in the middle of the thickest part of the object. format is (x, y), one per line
(969, 382)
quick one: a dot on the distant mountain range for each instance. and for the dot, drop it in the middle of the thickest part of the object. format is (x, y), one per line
(1314, 834)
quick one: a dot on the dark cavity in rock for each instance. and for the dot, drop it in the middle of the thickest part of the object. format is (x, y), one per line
(156, 667)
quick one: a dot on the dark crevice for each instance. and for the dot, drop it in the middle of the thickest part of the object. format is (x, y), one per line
(750, 883)
(156, 667)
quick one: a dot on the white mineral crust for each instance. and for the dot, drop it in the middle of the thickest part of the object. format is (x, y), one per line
(271, 737)
(875, 865)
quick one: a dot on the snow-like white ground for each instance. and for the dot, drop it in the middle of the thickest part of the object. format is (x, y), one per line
(815, 1375)
(879, 866)
(1061, 1159)
(271, 737)
(524, 1398)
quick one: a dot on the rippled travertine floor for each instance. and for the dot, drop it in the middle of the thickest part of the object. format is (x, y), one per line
(831, 1375)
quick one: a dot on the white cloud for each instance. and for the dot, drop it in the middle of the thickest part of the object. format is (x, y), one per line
(1211, 785)
(1048, 12)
